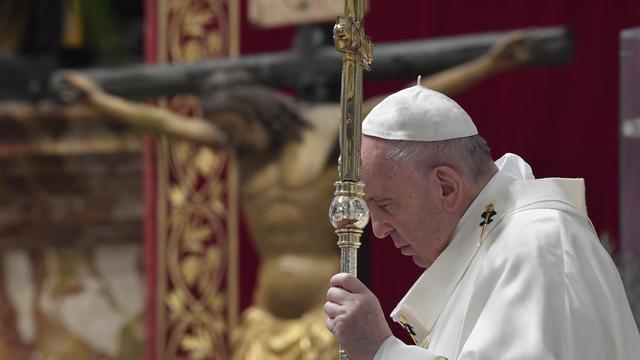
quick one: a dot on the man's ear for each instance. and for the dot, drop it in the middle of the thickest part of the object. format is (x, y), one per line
(449, 185)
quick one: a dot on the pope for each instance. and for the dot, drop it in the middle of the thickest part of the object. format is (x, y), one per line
(514, 267)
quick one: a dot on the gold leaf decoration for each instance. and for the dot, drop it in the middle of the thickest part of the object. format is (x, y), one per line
(196, 26)
(181, 150)
(205, 161)
(214, 41)
(176, 303)
(195, 237)
(219, 326)
(213, 256)
(217, 203)
(177, 196)
(191, 267)
(192, 51)
(217, 304)
(197, 345)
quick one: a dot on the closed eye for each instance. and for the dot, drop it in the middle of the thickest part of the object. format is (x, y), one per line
(385, 204)
(386, 207)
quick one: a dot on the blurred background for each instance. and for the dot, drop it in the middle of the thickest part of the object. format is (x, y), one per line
(116, 244)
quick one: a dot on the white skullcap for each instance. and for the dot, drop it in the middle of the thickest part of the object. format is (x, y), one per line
(418, 114)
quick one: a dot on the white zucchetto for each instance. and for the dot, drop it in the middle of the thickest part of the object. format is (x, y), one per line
(418, 114)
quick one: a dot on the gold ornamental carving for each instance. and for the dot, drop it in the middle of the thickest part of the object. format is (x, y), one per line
(196, 226)
(197, 29)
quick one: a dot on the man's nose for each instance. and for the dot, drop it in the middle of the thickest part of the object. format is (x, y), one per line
(380, 228)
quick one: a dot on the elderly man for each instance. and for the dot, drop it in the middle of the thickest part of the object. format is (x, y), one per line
(514, 268)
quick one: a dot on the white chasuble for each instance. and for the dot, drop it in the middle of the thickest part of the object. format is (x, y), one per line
(524, 277)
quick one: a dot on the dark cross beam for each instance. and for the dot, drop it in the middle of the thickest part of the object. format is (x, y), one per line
(309, 63)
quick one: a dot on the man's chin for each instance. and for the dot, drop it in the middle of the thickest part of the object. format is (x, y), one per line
(420, 262)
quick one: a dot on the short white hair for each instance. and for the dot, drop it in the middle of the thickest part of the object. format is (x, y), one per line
(469, 155)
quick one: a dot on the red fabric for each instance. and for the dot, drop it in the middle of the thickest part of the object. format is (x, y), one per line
(149, 188)
(562, 120)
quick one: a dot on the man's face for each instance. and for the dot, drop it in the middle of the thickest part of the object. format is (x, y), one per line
(405, 205)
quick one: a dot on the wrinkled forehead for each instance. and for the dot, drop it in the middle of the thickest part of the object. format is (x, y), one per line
(376, 167)
(373, 152)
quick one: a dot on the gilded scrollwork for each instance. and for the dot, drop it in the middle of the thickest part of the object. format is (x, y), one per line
(196, 248)
(197, 29)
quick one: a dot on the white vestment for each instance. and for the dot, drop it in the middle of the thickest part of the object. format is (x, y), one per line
(532, 283)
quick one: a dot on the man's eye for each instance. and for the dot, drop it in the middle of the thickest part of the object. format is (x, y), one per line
(385, 207)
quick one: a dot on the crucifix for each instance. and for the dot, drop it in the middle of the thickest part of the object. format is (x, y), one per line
(286, 167)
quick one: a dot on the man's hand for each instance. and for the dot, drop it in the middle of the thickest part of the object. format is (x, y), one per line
(73, 87)
(512, 51)
(355, 317)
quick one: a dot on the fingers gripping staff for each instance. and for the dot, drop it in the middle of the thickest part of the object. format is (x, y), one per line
(355, 317)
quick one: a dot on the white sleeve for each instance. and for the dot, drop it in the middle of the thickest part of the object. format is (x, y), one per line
(393, 349)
